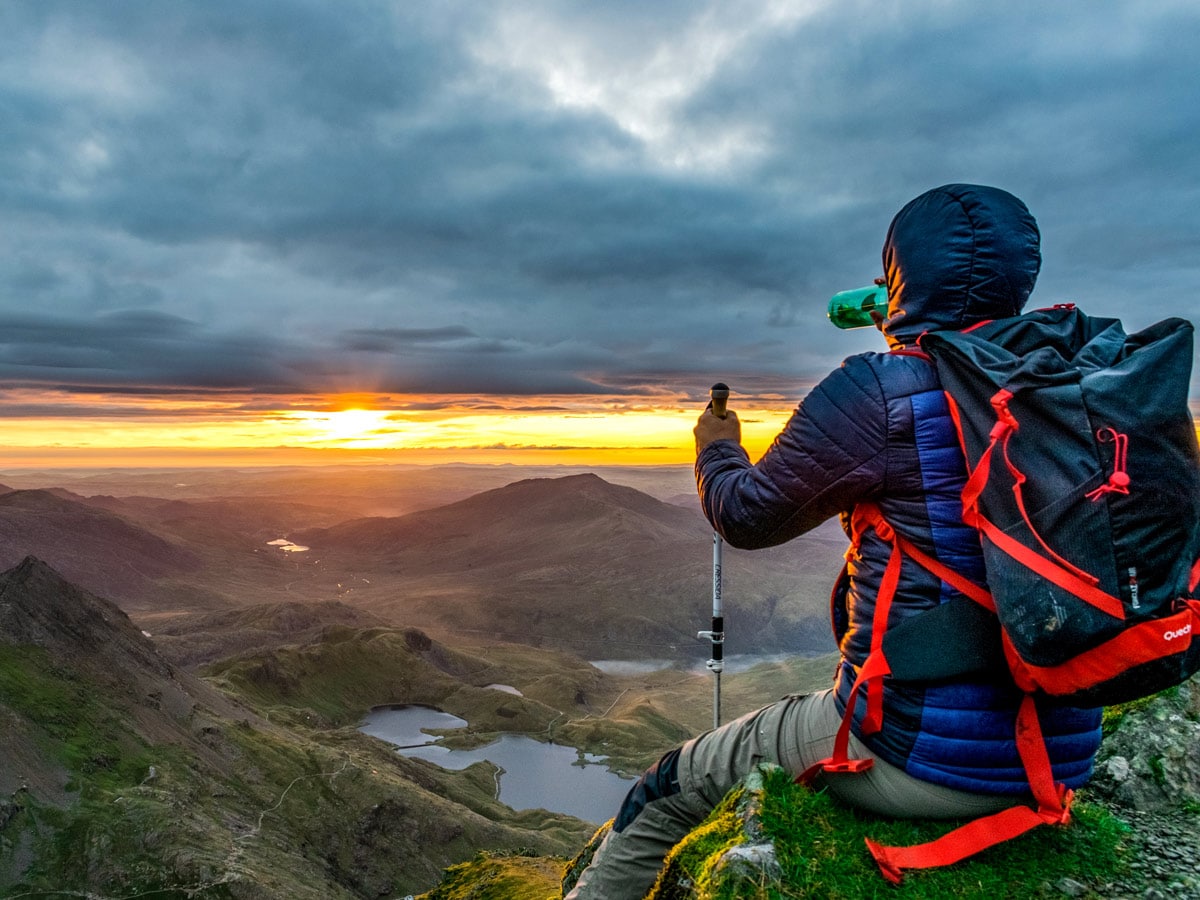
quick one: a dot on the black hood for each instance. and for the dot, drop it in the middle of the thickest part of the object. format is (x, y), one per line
(957, 255)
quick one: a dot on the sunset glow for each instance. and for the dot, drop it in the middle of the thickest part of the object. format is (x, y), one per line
(216, 430)
(52, 428)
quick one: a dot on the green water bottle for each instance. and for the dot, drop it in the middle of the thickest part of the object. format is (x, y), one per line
(852, 309)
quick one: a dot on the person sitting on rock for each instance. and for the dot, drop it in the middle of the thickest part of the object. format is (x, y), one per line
(877, 430)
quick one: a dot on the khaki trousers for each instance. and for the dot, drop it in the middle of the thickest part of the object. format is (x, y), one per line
(795, 733)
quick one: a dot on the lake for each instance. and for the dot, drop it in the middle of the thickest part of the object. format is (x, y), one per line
(536, 775)
(287, 546)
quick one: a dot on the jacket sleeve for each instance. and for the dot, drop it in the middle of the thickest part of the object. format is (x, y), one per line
(829, 456)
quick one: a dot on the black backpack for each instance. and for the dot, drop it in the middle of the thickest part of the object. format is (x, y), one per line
(1084, 483)
(1085, 487)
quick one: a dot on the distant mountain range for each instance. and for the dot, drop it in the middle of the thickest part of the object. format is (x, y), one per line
(105, 552)
(347, 491)
(574, 563)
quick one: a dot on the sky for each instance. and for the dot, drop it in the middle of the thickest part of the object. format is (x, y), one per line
(262, 231)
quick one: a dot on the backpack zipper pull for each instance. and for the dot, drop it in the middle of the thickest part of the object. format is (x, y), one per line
(1118, 481)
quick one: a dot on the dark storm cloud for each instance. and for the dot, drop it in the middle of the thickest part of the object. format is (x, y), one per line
(391, 340)
(146, 353)
(133, 351)
(539, 198)
(1083, 114)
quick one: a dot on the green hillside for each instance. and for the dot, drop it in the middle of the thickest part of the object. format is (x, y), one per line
(121, 775)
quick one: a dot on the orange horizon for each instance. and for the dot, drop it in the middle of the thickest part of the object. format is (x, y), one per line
(200, 431)
(57, 430)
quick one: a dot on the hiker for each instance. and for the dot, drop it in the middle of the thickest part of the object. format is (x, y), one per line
(875, 431)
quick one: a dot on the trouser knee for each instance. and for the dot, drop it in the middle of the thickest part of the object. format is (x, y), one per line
(658, 782)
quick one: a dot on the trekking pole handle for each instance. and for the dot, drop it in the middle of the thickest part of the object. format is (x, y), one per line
(720, 399)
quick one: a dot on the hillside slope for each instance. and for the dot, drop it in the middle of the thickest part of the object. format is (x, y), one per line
(95, 548)
(193, 639)
(121, 773)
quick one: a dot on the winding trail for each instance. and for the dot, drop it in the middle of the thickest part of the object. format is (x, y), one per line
(231, 865)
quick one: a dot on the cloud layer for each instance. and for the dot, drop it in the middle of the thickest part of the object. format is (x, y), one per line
(536, 198)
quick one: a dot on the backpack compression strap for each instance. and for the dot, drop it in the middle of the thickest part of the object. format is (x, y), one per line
(1051, 566)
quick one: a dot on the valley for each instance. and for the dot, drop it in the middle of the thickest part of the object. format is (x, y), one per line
(572, 562)
(181, 697)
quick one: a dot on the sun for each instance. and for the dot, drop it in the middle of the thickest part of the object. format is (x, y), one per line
(349, 428)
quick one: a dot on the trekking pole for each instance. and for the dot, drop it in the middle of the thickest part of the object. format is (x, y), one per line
(719, 395)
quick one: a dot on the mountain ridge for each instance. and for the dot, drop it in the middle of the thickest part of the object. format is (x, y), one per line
(542, 505)
(583, 565)
(571, 562)
(198, 638)
(96, 643)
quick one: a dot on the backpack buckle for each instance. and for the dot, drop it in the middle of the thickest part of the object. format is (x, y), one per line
(846, 766)
(1005, 420)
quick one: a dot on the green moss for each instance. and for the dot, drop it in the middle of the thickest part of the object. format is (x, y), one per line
(500, 876)
(819, 847)
(1158, 768)
(690, 870)
(1115, 714)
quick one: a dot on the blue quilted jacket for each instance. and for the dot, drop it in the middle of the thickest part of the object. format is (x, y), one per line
(878, 430)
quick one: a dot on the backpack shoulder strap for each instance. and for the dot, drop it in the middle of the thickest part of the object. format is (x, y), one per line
(1053, 800)
(877, 666)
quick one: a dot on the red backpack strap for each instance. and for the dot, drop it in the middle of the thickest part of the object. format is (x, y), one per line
(873, 670)
(876, 667)
(1053, 808)
(839, 762)
(1139, 644)
(1053, 801)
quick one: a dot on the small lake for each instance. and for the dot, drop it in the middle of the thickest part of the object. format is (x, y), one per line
(287, 546)
(536, 775)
